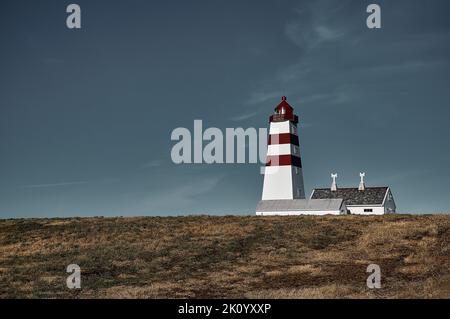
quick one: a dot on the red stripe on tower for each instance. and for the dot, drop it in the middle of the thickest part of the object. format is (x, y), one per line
(283, 160)
(285, 138)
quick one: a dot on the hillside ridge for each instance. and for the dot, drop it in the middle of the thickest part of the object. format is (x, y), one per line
(226, 257)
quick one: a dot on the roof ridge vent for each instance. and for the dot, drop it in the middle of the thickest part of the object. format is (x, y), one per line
(333, 184)
(362, 186)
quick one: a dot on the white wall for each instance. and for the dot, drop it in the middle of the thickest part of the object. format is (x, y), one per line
(277, 183)
(283, 182)
(359, 210)
(297, 213)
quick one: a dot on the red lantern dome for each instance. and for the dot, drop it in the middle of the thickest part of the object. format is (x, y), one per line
(284, 112)
(284, 108)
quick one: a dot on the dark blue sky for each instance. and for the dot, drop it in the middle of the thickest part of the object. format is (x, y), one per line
(86, 115)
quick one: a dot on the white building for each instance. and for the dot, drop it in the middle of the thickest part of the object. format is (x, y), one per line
(301, 207)
(360, 200)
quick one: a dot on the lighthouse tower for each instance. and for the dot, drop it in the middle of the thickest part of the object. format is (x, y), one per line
(283, 176)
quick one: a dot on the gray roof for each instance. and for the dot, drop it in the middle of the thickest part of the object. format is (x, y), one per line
(299, 205)
(353, 196)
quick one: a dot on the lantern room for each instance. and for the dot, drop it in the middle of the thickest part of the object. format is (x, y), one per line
(284, 112)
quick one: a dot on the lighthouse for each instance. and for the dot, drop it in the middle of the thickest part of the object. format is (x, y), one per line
(283, 176)
(283, 190)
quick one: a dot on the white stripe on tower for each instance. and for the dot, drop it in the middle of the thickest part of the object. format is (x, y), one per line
(282, 127)
(282, 149)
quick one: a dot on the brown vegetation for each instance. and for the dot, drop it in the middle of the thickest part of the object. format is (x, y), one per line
(226, 257)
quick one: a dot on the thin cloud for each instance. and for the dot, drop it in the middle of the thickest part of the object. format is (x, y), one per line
(245, 116)
(328, 34)
(316, 32)
(55, 184)
(154, 163)
(261, 97)
(182, 196)
(305, 125)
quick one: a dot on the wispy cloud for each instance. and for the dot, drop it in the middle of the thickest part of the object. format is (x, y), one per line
(261, 97)
(327, 73)
(312, 37)
(313, 31)
(305, 125)
(55, 184)
(181, 197)
(316, 97)
(326, 33)
(314, 26)
(244, 116)
(153, 163)
(396, 177)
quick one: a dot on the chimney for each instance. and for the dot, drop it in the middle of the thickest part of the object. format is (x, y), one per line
(333, 184)
(362, 187)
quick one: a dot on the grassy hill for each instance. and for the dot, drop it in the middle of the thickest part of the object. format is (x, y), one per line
(221, 257)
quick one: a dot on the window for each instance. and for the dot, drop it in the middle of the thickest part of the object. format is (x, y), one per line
(368, 210)
(298, 192)
(296, 170)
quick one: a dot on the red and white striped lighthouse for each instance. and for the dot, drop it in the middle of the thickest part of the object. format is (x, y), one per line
(283, 176)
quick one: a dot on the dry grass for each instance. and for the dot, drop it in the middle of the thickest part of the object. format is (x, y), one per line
(226, 257)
